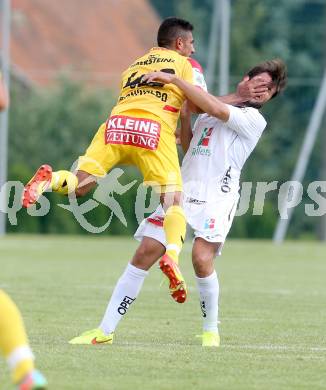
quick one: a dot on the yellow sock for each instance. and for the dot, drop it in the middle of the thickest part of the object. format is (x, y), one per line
(13, 340)
(175, 230)
(63, 182)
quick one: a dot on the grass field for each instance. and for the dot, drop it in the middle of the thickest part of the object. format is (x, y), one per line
(273, 317)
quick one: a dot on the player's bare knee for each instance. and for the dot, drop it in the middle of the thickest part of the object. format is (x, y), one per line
(139, 255)
(203, 255)
(148, 252)
(84, 190)
(142, 259)
(203, 264)
(86, 183)
(80, 192)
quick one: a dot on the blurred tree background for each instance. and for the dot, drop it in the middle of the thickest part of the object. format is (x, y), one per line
(70, 113)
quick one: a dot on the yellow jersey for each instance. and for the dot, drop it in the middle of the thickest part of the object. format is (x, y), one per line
(164, 101)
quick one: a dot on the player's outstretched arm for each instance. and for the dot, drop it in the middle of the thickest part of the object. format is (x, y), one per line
(202, 99)
(214, 106)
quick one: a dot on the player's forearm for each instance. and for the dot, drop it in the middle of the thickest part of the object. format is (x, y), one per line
(185, 131)
(205, 101)
(232, 99)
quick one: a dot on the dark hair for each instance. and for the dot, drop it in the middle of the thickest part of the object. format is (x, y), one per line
(276, 68)
(170, 29)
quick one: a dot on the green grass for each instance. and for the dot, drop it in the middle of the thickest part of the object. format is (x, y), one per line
(272, 311)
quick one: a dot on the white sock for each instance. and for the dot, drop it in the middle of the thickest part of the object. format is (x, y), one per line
(124, 294)
(19, 354)
(208, 294)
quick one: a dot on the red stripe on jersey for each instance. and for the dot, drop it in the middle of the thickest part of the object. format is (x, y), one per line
(170, 108)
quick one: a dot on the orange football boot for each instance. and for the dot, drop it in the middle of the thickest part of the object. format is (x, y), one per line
(178, 288)
(39, 183)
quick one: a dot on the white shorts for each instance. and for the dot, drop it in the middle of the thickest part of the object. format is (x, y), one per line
(210, 220)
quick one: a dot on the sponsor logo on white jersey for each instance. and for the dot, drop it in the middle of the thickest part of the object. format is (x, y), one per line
(202, 147)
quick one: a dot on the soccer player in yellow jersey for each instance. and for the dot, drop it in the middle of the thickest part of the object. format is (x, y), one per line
(140, 131)
(15, 348)
(13, 340)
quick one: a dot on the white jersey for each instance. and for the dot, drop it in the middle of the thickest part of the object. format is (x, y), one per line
(211, 171)
(218, 151)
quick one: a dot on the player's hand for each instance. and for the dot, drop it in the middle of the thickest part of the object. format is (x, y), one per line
(250, 89)
(162, 77)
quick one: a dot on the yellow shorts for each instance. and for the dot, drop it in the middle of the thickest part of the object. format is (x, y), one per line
(135, 138)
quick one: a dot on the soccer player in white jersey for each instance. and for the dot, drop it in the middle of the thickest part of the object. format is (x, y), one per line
(221, 141)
